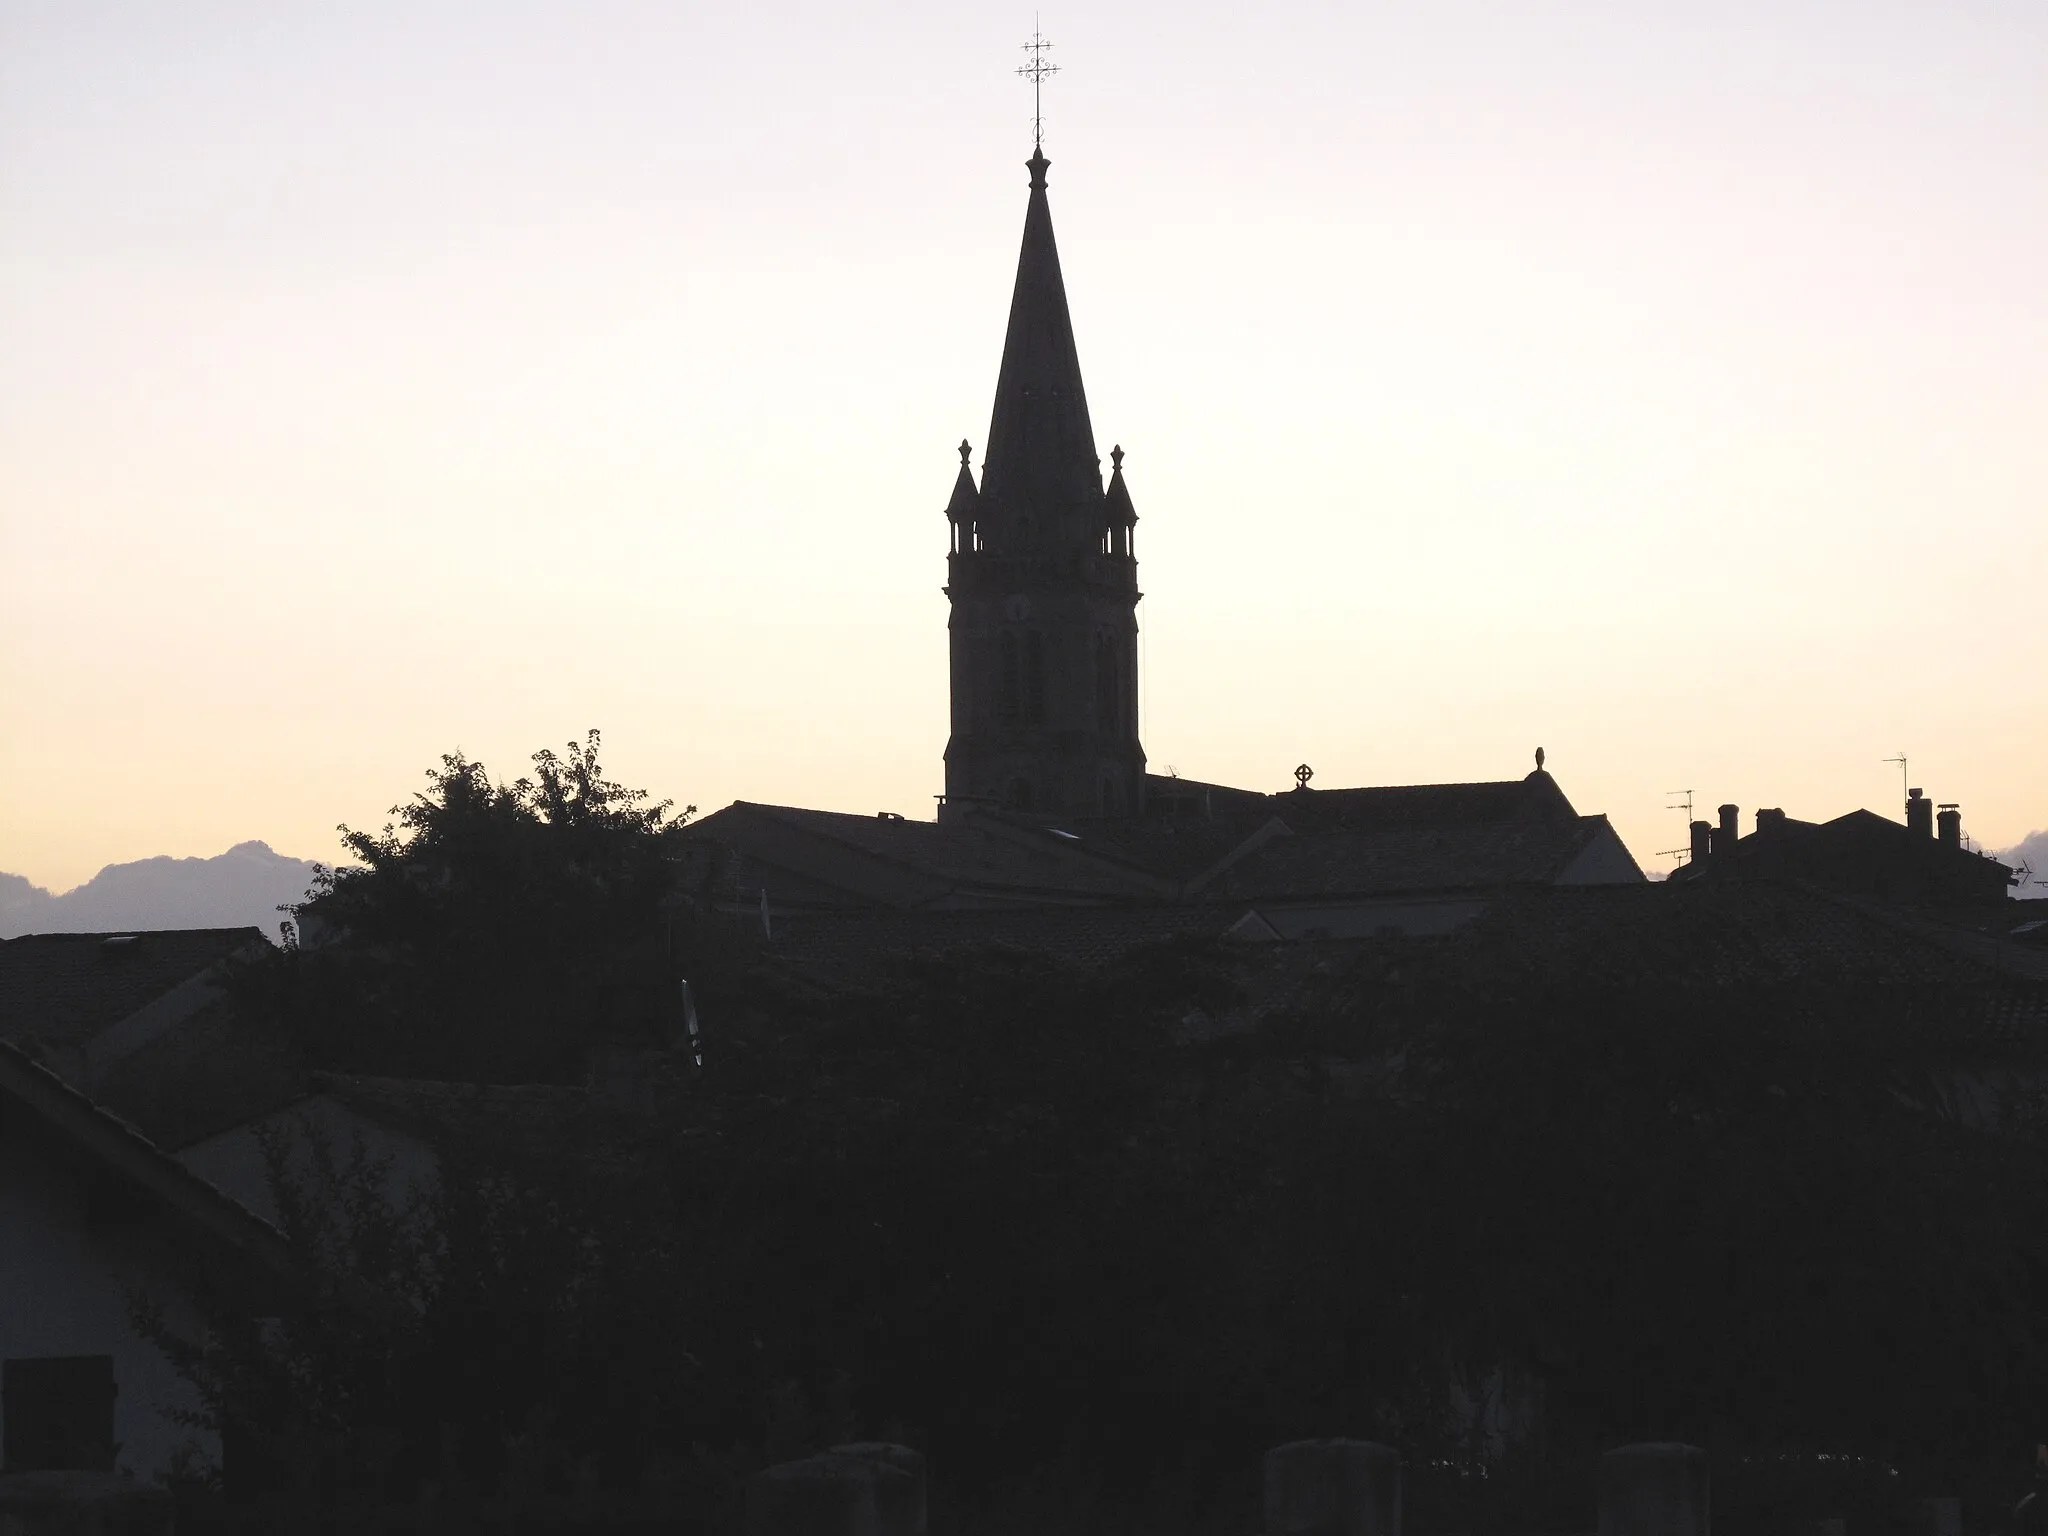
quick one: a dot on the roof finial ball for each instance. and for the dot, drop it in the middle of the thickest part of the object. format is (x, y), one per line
(1539, 759)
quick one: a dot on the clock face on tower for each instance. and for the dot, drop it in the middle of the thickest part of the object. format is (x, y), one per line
(1017, 608)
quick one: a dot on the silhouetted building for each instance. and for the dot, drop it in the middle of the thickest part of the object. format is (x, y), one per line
(1922, 863)
(1047, 801)
(1409, 858)
(1042, 578)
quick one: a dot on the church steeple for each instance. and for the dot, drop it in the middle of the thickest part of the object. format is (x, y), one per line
(1042, 578)
(1041, 470)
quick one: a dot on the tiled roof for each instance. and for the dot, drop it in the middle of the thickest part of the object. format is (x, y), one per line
(64, 988)
(1388, 807)
(1346, 841)
(1176, 847)
(1394, 858)
(1985, 939)
(1206, 822)
(913, 863)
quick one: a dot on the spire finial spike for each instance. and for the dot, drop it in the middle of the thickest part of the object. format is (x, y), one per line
(1116, 457)
(1036, 70)
(966, 451)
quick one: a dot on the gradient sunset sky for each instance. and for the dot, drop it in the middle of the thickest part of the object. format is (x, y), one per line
(1666, 386)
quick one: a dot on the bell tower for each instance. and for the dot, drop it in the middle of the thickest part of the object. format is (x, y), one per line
(1043, 578)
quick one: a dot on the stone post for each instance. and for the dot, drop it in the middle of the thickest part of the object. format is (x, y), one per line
(1654, 1490)
(832, 1495)
(899, 1502)
(1333, 1488)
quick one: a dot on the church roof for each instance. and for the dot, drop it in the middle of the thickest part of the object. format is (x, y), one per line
(830, 858)
(1231, 846)
(1041, 445)
(1385, 860)
(1389, 806)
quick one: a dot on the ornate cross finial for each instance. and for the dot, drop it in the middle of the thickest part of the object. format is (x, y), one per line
(1302, 775)
(1036, 72)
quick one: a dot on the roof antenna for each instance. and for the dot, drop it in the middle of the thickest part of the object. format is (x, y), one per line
(1036, 71)
(1904, 793)
(1680, 854)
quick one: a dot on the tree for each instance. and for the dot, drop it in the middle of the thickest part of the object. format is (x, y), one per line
(488, 930)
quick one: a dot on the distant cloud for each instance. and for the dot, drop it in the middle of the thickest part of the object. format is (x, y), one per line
(240, 888)
(2033, 849)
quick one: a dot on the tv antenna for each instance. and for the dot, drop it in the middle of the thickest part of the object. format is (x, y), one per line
(1036, 71)
(1901, 761)
(1685, 805)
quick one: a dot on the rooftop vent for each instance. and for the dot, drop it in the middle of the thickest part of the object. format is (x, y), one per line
(1950, 821)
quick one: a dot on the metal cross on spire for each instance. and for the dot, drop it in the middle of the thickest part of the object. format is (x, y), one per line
(1036, 71)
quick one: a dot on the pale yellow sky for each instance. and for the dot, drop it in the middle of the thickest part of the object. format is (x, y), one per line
(1664, 386)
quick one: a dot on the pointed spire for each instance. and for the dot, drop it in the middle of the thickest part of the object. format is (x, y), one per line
(1041, 448)
(1117, 509)
(961, 508)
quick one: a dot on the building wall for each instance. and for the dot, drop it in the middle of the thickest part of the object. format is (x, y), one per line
(233, 1162)
(64, 1279)
(1603, 861)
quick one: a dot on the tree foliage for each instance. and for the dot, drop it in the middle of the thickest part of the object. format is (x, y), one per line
(488, 930)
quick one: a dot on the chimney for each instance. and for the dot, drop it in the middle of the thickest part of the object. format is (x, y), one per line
(1950, 820)
(1772, 821)
(1919, 814)
(1702, 841)
(1725, 838)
